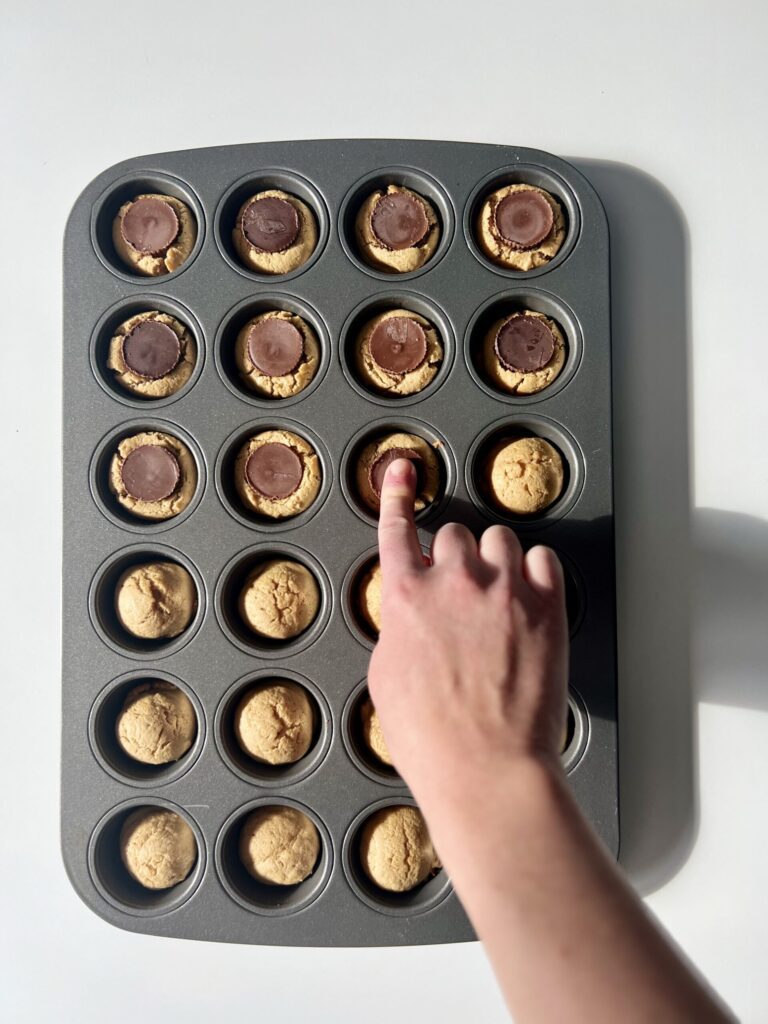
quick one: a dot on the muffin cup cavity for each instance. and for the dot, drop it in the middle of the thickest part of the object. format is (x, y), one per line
(258, 897)
(111, 877)
(105, 329)
(370, 308)
(379, 429)
(512, 429)
(577, 736)
(98, 475)
(523, 174)
(247, 767)
(358, 750)
(238, 317)
(419, 900)
(350, 590)
(101, 602)
(125, 189)
(517, 300)
(408, 177)
(249, 185)
(224, 475)
(230, 585)
(102, 726)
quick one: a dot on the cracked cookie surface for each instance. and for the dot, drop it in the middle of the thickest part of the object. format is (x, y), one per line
(155, 600)
(279, 845)
(157, 724)
(396, 850)
(524, 476)
(280, 599)
(274, 723)
(157, 847)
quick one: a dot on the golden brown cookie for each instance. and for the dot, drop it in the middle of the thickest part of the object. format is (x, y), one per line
(521, 227)
(373, 462)
(279, 845)
(274, 232)
(274, 723)
(372, 732)
(280, 599)
(153, 475)
(397, 230)
(524, 476)
(157, 847)
(369, 598)
(157, 723)
(154, 234)
(152, 354)
(398, 353)
(523, 352)
(156, 600)
(277, 474)
(277, 354)
(395, 849)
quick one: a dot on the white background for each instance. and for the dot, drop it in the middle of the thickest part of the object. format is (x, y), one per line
(671, 96)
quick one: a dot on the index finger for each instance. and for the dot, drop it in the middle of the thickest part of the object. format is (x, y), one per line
(399, 549)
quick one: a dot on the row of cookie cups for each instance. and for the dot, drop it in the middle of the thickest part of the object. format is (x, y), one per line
(420, 181)
(510, 427)
(491, 310)
(117, 763)
(118, 888)
(226, 594)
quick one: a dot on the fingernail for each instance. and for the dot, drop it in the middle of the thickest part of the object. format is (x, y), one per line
(399, 472)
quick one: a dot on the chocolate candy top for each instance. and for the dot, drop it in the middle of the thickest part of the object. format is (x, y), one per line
(275, 346)
(398, 344)
(151, 349)
(524, 219)
(380, 465)
(274, 470)
(149, 225)
(270, 223)
(399, 220)
(150, 473)
(524, 343)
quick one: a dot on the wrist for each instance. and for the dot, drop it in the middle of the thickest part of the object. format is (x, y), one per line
(474, 810)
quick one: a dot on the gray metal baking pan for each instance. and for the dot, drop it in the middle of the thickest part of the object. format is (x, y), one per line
(459, 290)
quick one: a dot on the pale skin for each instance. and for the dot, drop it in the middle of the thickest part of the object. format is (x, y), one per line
(470, 678)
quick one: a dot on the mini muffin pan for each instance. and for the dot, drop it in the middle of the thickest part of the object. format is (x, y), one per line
(338, 784)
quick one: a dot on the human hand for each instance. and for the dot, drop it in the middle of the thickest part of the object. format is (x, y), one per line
(470, 671)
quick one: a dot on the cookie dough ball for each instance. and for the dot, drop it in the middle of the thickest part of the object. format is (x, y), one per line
(157, 847)
(280, 599)
(372, 734)
(277, 354)
(279, 845)
(369, 598)
(155, 601)
(152, 354)
(524, 476)
(274, 232)
(397, 230)
(274, 723)
(398, 353)
(521, 227)
(395, 849)
(523, 353)
(277, 474)
(377, 456)
(154, 234)
(157, 724)
(153, 475)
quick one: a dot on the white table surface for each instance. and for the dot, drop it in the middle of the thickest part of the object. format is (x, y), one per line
(663, 104)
